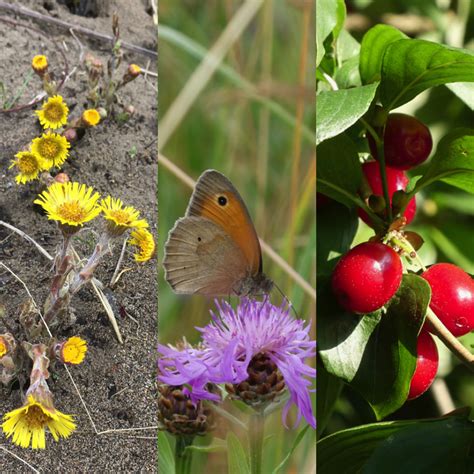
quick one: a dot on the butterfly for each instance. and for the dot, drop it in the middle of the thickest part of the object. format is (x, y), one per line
(214, 249)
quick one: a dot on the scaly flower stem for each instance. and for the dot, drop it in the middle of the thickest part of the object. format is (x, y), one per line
(183, 457)
(449, 340)
(101, 248)
(257, 422)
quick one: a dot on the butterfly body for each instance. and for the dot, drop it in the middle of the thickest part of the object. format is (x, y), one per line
(214, 250)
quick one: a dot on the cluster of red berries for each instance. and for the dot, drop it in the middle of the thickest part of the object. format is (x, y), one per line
(369, 275)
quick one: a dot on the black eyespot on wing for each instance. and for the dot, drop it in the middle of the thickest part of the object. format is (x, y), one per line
(222, 200)
(199, 239)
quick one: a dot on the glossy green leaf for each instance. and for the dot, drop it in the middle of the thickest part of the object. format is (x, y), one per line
(330, 17)
(338, 110)
(375, 353)
(411, 66)
(347, 46)
(421, 446)
(453, 162)
(372, 50)
(165, 455)
(442, 446)
(339, 173)
(238, 462)
(336, 228)
(347, 75)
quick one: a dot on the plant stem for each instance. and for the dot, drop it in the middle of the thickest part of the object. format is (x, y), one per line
(183, 456)
(257, 421)
(450, 341)
(381, 160)
(383, 175)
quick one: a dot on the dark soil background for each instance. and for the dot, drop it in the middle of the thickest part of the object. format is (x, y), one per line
(116, 381)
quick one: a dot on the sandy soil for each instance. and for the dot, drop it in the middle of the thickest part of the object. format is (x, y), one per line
(117, 382)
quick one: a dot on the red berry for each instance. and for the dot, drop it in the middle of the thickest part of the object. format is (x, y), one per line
(366, 277)
(407, 142)
(452, 297)
(396, 181)
(426, 365)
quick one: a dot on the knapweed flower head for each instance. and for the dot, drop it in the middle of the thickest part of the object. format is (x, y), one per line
(143, 239)
(185, 365)
(52, 148)
(53, 113)
(29, 165)
(120, 217)
(90, 117)
(73, 351)
(178, 415)
(70, 203)
(237, 342)
(39, 64)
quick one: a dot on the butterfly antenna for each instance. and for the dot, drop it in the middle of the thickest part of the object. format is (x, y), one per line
(290, 304)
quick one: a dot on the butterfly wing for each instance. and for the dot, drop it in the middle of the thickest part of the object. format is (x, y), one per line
(200, 257)
(216, 199)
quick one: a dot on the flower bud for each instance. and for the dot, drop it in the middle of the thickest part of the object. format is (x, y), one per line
(71, 135)
(40, 64)
(179, 416)
(61, 178)
(7, 344)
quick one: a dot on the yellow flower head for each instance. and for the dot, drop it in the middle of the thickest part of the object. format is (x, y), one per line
(134, 70)
(29, 166)
(53, 113)
(119, 217)
(52, 148)
(28, 423)
(3, 347)
(73, 351)
(70, 203)
(143, 239)
(39, 64)
(90, 117)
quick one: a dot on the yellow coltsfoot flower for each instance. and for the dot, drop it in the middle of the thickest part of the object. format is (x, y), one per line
(70, 203)
(73, 351)
(143, 239)
(39, 64)
(90, 117)
(28, 423)
(29, 166)
(119, 217)
(52, 148)
(53, 113)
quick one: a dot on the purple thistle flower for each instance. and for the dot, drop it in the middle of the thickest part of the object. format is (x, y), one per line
(234, 337)
(186, 367)
(230, 342)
